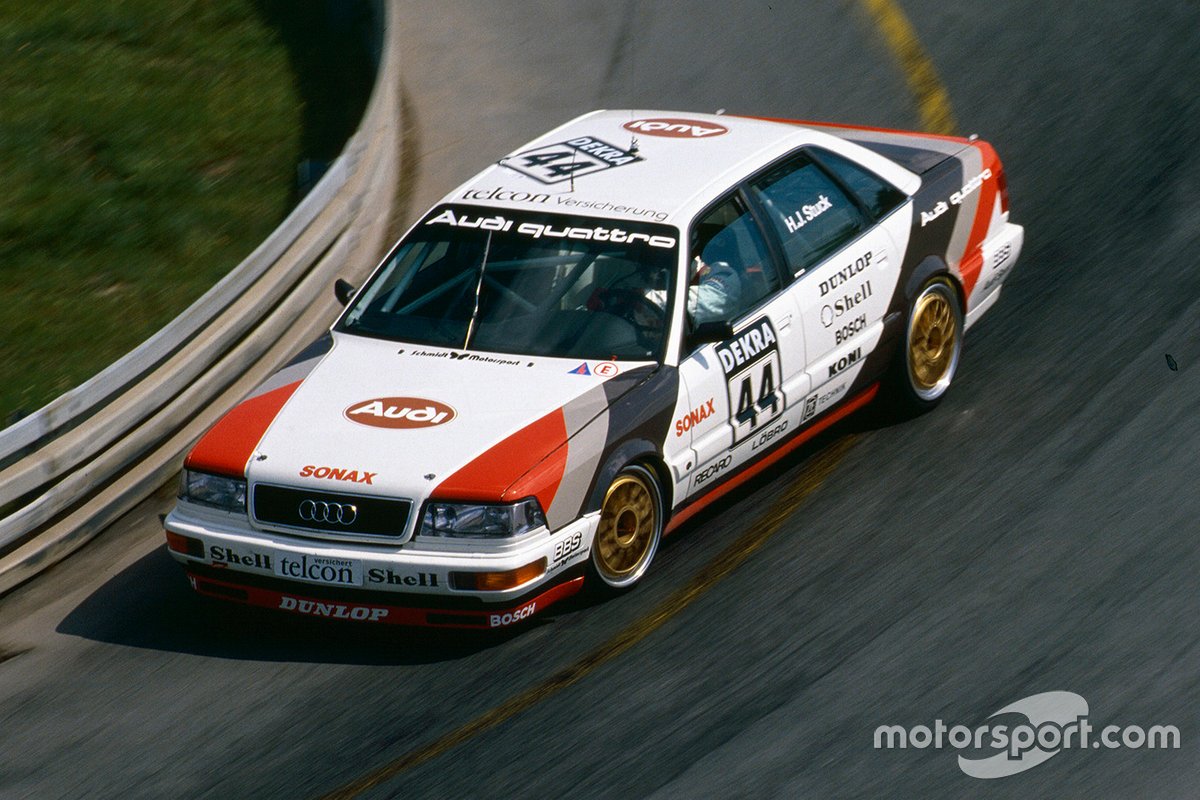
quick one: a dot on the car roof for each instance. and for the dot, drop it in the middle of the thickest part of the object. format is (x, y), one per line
(658, 166)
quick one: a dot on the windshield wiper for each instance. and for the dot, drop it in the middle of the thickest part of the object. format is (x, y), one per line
(487, 246)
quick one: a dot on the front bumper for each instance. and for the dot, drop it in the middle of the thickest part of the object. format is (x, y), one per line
(405, 585)
(375, 607)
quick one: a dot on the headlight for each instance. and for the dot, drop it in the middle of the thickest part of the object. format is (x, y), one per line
(479, 521)
(228, 494)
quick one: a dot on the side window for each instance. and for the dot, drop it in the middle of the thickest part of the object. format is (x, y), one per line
(876, 194)
(731, 270)
(812, 215)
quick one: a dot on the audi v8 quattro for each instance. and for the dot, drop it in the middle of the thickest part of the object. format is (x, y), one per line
(579, 348)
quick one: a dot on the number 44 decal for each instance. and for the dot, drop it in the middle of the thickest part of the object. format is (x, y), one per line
(755, 395)
(555, 163)
(752, 370)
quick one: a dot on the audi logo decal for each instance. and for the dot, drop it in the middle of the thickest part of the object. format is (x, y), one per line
(331, 513)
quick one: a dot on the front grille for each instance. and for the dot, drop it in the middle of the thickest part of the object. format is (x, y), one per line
(331, 513)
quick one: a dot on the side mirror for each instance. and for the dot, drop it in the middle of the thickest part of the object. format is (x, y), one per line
(705, 332)
(344, 291)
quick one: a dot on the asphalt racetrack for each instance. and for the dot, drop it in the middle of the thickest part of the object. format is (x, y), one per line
(1038, 532)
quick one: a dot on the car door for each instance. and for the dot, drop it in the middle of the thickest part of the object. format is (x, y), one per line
(845, 265)
(740, 389)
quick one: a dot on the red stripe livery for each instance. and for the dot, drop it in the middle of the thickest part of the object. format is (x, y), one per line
(228, 445)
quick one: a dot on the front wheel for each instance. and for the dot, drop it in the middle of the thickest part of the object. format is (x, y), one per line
(631, 525)
(926, 362)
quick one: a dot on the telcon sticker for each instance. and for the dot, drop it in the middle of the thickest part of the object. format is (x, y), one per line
(400, 412)
(676, 128)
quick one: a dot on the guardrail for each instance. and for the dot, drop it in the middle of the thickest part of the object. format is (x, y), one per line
(88, 457)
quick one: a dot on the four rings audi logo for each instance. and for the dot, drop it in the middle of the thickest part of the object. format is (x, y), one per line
(332, 513)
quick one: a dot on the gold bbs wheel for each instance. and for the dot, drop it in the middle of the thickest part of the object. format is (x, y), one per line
(934, 340)
(631, 522)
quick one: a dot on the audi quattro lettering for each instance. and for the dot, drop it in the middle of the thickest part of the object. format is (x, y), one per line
(582, 346)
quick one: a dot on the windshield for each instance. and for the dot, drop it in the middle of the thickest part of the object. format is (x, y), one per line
(534, 284)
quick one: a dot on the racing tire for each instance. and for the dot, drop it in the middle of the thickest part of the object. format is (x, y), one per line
(928, 356)
(630, 529)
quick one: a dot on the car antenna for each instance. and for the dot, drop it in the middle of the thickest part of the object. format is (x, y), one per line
(633, 145)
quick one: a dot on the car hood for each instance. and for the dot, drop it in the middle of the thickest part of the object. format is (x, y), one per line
(392, 419)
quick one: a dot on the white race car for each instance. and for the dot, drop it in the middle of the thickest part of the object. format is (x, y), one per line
(582, 346)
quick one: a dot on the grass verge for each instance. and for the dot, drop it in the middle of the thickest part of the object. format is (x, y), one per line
(146, 148)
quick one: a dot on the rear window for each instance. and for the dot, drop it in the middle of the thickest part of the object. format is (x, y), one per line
(879, 196)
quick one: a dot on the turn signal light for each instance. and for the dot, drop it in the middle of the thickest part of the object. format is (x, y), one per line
(498, 581)
(185, 544)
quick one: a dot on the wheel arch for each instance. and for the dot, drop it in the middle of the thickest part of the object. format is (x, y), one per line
(633, 451)
(929, 267)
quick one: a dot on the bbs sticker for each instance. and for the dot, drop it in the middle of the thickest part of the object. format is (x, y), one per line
(568, 547)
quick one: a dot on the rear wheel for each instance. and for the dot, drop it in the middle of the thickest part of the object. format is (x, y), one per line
(926, 362)
(631, 524)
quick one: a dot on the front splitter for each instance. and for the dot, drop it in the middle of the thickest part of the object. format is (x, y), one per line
(381, 613)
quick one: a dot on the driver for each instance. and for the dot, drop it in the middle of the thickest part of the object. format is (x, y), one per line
(714, 291)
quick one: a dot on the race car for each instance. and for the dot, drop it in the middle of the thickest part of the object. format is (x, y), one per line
(581, 347)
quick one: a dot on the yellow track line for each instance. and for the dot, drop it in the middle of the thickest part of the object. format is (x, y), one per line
(720, 567)
(933, 101)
